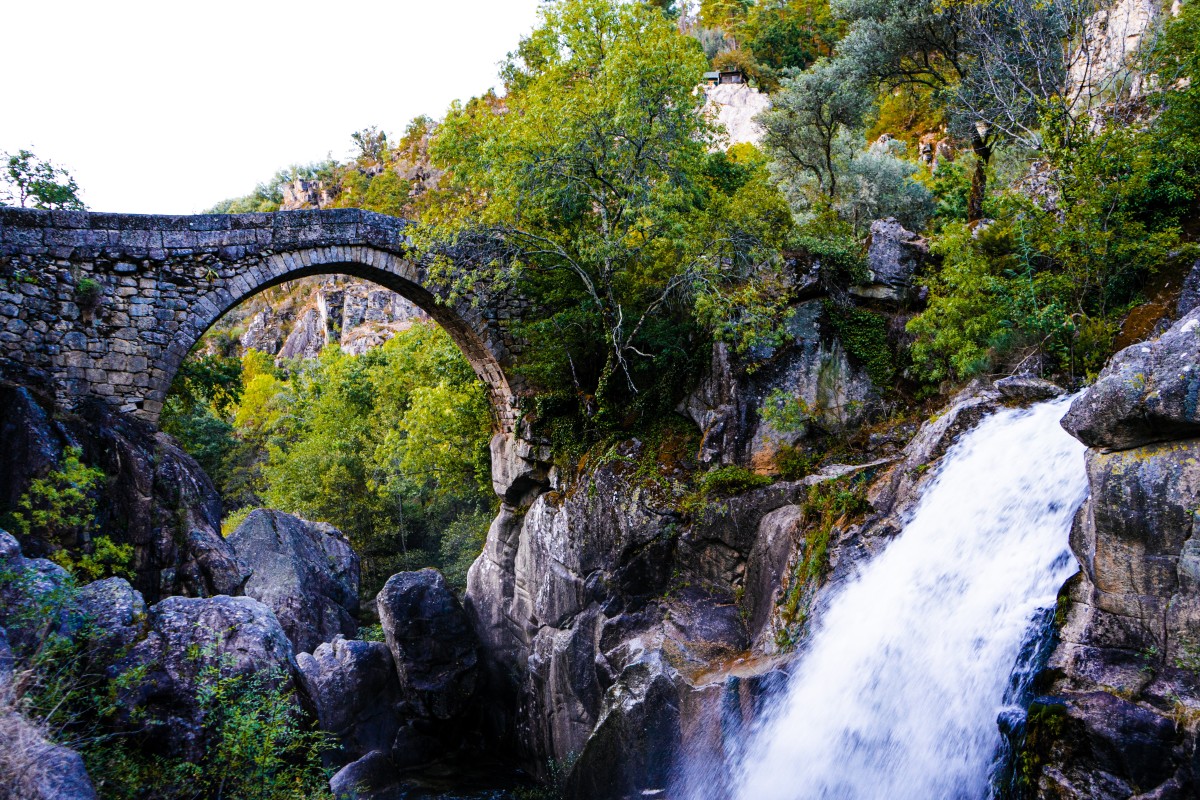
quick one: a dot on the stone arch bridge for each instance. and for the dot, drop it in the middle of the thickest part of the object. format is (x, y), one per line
(109, 305)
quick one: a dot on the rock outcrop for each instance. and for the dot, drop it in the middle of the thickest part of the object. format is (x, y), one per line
(305, 572)
(1147, 393)
(737, 106)
(156, 497)
(432, 643)
(355, 691)
(894, 256)
(1120, 708)
(189, 644)
(354, 314)
(810, 369)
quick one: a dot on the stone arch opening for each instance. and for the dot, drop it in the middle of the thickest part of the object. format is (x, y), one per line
(466, 326)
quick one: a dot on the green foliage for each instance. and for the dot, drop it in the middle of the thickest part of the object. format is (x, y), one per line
(106, 559)
(841, 258)
(790, 35)
(785, 412)
(391, 446)
(29, 180)
(258, 745)
(203, 396)
(234, 519)
(1053, 286)
(591, 186)
(88, 292)
(864, 335)
(731, 480)
(462, 542)
(794, 463)
(951, 190)
(59, 510)
(813, 133)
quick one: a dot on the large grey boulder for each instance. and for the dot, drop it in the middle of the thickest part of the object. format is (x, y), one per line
(192, 641)
(210, 565)
(35, 599)
(306, 572)
(356, 694)
(372, 777)
(115, 617)
(1149, 392)
(432, 643)
(893, 257)
(1028, 388)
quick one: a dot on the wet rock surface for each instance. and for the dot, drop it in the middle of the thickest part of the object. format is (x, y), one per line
(1149, 392)
(1121, 703)
(614, 625)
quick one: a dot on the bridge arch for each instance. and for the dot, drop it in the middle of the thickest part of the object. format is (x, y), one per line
(109, 305)
(467, 326)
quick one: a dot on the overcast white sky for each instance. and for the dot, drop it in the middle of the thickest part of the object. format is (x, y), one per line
(169, 106)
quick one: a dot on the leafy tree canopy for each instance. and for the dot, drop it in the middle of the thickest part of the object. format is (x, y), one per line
(591, 185)
(31, 181)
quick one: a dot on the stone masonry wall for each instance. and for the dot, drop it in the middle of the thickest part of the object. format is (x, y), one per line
(109, 305)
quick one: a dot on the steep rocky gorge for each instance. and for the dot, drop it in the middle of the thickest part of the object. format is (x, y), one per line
(623, 624)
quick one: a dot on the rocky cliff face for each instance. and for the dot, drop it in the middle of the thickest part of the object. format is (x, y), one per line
(628, 631)
(1121, 705)
(355, 315)
(154, 498)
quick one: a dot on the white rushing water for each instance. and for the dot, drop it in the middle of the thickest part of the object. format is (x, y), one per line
(897, 693)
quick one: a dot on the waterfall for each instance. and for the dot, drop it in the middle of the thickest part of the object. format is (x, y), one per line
(897, 694)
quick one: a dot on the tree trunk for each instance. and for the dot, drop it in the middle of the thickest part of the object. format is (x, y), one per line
(983, 153)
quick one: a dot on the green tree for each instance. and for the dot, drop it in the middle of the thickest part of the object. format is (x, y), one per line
(588, 186)
(811, 126)
(791, 34)
(32, 181)
(390, 446)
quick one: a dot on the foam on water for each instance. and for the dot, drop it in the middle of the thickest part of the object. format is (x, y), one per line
(897, 693)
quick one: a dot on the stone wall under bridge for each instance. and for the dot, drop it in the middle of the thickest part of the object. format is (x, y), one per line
(161, 281)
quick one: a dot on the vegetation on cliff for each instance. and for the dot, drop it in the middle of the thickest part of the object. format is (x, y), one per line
(593, 184)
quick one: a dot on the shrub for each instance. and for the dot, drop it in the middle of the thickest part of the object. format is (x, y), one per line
(88, 292)
(731, 480)
(864, 335)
